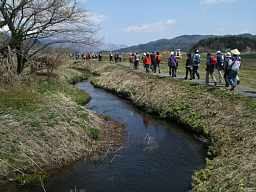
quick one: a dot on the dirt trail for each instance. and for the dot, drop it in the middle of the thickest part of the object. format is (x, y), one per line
(242, 90)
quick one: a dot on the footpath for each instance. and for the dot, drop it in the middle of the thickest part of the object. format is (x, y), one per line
(241, 89)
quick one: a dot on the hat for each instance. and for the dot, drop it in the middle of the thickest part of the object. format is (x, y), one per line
(235, 52)
(218, 52)
(228, 54)
(172, 53)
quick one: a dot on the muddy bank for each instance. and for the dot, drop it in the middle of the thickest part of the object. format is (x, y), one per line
(227, 120)
(44, 126)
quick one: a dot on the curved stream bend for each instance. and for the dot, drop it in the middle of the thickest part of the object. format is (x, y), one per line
(156, 156)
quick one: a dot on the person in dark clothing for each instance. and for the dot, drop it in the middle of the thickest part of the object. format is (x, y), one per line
(196, 63)
(158, 59)
(100, 57)
(111, 57)
(211, 62)
(154, 62)
(136, 61)
(189, 66)
(227, 63)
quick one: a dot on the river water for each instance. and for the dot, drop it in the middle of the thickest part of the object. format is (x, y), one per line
(155, 156)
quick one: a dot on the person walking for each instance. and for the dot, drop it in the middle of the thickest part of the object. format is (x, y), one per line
(111, 57)
(153, 62)
(227, 64)
(234, 68)
(173, 65)
(189, 66)
(211, 62)
(100, 57)
(136, 61)
(147, 62)
(219, 66)
(158, 60)
(196, 64)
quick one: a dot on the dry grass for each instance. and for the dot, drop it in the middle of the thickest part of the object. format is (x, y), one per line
(227, 120)
(43, 127)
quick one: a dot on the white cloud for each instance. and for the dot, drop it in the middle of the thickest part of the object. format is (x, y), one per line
(216, 2)
(152, 27)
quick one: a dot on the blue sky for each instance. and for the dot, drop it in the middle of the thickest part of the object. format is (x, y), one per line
(131, 22)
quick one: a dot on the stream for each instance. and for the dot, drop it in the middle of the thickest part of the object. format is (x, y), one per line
(156, 155)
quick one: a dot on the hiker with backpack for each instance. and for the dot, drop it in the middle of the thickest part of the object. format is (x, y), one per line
(211, 62)
(173, 65)
(234, 68)
(153, 62)
(189, 66)
(220, 65)
(147, 62)
(158, 60)
(136, 61)
(196, 64)
(227, 68)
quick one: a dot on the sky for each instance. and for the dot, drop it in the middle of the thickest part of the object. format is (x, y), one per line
(131, 22)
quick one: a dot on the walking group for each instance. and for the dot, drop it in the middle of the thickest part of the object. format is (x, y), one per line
(227, 66)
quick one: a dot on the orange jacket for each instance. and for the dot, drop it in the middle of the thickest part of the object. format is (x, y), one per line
(147, 60)
(158, 59)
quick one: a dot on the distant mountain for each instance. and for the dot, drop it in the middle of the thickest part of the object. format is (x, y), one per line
(183, 42)
(243, 42)
(187, 42)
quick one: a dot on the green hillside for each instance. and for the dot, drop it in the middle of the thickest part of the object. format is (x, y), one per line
(184, 42)
(245, 43)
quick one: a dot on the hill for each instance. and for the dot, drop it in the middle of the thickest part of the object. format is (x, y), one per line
(187, 42)
(244, 42)
(183, 42)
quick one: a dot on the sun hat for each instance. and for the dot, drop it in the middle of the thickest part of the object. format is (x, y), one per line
(235, 52)
(228, 54)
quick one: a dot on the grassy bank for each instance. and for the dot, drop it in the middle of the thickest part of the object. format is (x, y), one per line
(44, 126)
(228, 121)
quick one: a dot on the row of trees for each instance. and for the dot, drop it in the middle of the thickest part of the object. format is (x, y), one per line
(28, 22)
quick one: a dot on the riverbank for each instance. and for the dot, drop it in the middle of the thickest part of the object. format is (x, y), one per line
(44, 125)
(227, 120)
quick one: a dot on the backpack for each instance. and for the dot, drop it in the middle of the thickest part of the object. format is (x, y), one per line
(236, 66)
(220, 59)
(213, 60)
(158, 59)
(196, 59)
(172, 62)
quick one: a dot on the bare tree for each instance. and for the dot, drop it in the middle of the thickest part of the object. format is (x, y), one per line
(58, 21)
